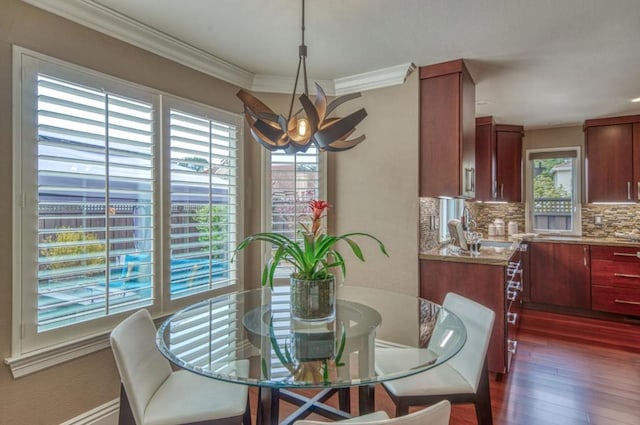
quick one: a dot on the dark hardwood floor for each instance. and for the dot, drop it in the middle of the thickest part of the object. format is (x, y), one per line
(567, 371)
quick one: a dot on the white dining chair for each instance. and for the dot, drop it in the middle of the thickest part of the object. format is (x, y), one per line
(437, 414)
(462, 379)
(153, 394)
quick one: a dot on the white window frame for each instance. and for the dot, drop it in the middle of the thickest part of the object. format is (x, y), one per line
(29, 351)
(577, 191)
(266, 201)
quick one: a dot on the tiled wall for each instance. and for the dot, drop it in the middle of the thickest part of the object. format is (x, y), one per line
(429, 223)
(487, 213)
(615, 218)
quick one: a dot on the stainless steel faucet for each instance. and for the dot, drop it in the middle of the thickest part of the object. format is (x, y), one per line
(467, 219)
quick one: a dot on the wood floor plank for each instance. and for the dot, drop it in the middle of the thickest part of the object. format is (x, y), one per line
(567, 371)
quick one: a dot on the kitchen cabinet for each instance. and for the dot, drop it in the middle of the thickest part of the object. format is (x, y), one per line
(559, 275)
(612, 159)
(447, 130)
(498, 161)
(494, 286)
(615, 279)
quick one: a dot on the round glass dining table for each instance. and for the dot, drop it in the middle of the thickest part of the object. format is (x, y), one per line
(250, 338)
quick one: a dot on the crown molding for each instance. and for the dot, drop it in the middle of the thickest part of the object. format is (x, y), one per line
(277, 84)
(376, 79)
(107, 21)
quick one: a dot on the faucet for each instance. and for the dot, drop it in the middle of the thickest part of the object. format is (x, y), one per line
(467, 219)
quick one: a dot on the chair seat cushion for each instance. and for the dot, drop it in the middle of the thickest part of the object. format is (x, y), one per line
(440, 380)
(364, 419)
(200, 399)
(380, 415)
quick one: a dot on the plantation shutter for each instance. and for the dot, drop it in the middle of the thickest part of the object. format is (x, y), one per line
(203, 194)
(94, 175)
(295, 180)
(208, 338)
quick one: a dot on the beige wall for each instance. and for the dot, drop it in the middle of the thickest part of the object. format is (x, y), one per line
(553, 138)
(374, 189)
(56, 394)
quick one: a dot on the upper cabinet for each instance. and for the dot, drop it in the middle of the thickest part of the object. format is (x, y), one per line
(498, 161)
(612, 159)
(447, 130)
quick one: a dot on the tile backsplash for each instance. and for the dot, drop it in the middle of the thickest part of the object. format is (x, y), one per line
(615, 218)
(429, 223)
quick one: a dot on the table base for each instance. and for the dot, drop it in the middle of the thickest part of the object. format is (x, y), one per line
(269, 404)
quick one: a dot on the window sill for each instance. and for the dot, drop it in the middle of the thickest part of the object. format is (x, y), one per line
(27, 364)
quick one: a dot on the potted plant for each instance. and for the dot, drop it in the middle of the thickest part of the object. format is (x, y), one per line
(313, 257)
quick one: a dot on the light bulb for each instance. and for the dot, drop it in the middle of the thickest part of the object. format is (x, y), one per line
(303, 127)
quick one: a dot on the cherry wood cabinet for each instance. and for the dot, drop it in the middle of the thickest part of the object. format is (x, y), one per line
(509, 162)
(447, 130)
(559, 275)
(486, 183)
(498, 161)
(615, 279)
(612, 159)
(496, 287)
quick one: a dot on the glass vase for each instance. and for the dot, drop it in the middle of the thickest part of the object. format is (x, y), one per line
(313, 300)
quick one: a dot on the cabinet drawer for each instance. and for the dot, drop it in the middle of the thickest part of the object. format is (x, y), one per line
(616, 300)
(616, 253)
(615, 273)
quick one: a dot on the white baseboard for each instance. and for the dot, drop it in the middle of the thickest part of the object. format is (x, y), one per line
(105, 414)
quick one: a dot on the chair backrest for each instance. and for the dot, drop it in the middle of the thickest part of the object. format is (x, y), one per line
(141, 366)
(478, 320)
(436, 414)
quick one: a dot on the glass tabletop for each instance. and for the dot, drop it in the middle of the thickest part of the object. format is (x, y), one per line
(250, 337)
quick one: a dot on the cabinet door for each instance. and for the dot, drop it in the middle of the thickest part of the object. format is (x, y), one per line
(485, 160)
(559, 275)
(509, 165)
(440, 136)
(447, 130)
(609, 163)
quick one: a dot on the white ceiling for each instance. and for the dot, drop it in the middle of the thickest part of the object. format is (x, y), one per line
(540, 63)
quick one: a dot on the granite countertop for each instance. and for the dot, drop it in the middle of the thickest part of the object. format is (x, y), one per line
(500, 256)
(488, 255)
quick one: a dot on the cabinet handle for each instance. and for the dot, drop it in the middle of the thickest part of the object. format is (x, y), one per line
(512, 346)
(627, 302)
(632, 276)
(628, 191)
(512, 318)
(470, 179)
(584, 256)
(638, 190)
(495, 189)
(502, 191)
(624, 254)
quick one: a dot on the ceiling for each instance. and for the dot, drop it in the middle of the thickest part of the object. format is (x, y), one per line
(539, 63)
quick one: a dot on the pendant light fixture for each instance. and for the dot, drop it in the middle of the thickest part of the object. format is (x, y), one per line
(309, 125)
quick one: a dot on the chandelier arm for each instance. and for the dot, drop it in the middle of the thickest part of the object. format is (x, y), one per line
(343, 145)
(340, 100)
(339, 129)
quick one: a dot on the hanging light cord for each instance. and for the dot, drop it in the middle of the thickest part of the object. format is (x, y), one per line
(302, 60)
